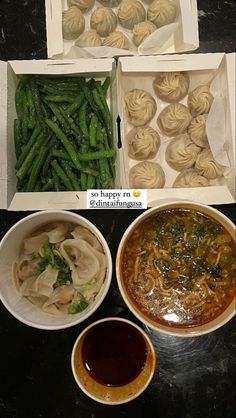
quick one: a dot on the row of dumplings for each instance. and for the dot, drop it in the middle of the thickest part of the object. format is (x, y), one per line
(131, 15)
(188, 151)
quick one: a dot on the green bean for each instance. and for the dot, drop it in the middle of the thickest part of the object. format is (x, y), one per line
(61, 174)
(47, 186)
(83, 181)
(20, 93)
(63, 98)
(93, 130)
(28, 146)
(82, 120)
(96, 155)
(105, 176)
(73, 107)
(106, 84)
(56, 181)
(17, 137)
(37, 187)
(38, 163)
(31, 114)
(65, 142)
(71, 175)
(91, 182)
(37, 104)
(74, 128)
(24, 168)
(59, 115)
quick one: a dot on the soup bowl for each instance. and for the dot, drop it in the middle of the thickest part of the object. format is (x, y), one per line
(177, 284)
(34, 309)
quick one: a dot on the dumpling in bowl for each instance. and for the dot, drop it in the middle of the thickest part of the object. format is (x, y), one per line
(83, 5)
(143, 142)
(103, 20)
(171, 86)
(161, 12)
(110, 3)
(197, 131)
(142, 30)
(73, 23)
(208, 166)
(116, 40)
(88, 39)
(200, 100)
(147, 175)
(181, 152)
(174, 119)
(131, 12)
(190, 178)
(140, 107)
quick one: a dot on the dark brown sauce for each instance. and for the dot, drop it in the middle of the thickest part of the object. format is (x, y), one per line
(114, 353)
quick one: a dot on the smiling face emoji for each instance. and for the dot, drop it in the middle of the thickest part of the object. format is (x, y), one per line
(136, 193)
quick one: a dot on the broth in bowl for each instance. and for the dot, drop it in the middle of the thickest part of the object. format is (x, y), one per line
(178, 267)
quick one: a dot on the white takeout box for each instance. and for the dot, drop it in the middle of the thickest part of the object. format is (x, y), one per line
(217, 69)
(9, 77)
(180, 36)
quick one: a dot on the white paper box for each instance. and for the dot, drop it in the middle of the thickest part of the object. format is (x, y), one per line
(219, 71)
(180, 36)
(9, 77)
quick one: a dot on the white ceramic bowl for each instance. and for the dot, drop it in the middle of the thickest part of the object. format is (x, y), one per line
(218, 322)
(20, 307)
(112, 395)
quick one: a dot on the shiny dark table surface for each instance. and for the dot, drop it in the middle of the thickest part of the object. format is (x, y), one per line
(195, 377)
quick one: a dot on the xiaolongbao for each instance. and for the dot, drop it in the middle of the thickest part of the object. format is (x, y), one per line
(143, 142)
(174, 119)
(200, 100)
(103, 20)
(117, 40)
(110, 3)
(83, 5)
(190, 178)
(141, 31)
(147, 175)
(73, 23)
(181, 152)
(131, 12)
(161, 12)
(171, 86)
(140, 107)
(88, 39)
(197, 131)
(208, 166)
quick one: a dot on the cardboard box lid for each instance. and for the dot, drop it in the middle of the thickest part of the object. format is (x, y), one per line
(3, 134)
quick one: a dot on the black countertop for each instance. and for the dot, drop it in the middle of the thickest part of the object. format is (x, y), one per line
(194, 378)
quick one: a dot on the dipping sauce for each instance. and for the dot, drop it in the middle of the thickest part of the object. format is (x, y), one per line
(178, 267)
(114, 353)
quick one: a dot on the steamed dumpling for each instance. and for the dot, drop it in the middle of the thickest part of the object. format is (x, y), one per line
(147, 175)
(190, 178)
(88, 39)
(197, 131)
(103, 20)
(200, 100)
(110, 3)
(116, 40)
(83, 5)
(143, 142)
(140, 107)
(208, 166)
(131, 12)
(73, 23)
(161, 12)
(171, 86)
(174, 119)
(142, 30)
(181, 152)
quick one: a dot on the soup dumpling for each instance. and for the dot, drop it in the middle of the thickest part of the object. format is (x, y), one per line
(181, 152)
(110, 3)
(174, 119)
(171, 86)
(147, 175)
(208, 166)
(140, 107)
(200, 100)
(161, 12)
(142, 30)
(190, 178)
(103, 20)
(83, 5)
(89, 38)
(143, 142)
(197, 131)
(131, 12)
(117, 40)
(73, 23)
